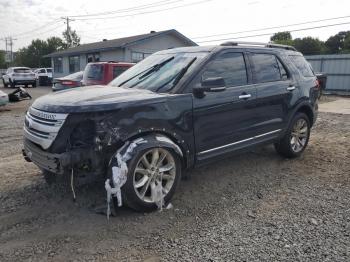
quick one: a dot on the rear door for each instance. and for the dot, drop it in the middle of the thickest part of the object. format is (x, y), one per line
(275, 90)
(224, 120)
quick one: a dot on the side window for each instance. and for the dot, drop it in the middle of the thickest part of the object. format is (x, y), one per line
(303, 66)
(266, 68)
(118, 70)
(42, 71)
(230, 66)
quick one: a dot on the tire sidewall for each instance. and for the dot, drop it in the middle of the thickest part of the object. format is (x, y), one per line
(290, 129)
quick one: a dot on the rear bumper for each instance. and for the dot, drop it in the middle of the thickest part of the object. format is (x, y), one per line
(24, 81)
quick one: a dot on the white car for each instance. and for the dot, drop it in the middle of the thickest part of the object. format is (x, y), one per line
(4, 98)
(19, 76)
(43, 76)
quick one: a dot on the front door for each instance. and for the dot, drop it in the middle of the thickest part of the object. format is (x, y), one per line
(224, 120)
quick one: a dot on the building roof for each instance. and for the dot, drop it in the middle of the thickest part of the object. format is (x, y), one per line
(117, 43)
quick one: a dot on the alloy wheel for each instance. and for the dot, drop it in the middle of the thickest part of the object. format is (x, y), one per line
(299, 135)
(156, 166)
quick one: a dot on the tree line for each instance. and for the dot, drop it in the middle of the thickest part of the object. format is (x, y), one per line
(336, 44)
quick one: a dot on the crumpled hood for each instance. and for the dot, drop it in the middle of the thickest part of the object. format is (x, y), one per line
(94, 98)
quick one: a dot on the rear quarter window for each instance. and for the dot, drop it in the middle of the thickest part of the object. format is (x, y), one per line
(302, 65)
(266, 68)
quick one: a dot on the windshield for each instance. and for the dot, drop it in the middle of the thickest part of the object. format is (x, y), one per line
(93, 72)
(158, 72)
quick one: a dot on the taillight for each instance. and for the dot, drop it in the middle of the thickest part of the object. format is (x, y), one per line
(67, 83)
(318, 85)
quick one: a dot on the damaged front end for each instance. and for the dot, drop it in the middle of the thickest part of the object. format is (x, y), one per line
(83, 142)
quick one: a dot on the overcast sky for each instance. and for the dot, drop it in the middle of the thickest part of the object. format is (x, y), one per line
(30, 19)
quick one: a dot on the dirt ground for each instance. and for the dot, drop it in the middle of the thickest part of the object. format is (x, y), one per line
(252, 207)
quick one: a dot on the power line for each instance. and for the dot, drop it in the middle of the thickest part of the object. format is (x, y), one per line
(146, 12)
(134, 8)
(38, 28)
(41, 33)
(274, 27)
(266, 34)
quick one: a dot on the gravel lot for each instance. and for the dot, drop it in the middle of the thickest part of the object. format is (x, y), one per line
(253, 207)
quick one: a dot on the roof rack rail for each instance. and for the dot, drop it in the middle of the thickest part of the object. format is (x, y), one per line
(268, 45)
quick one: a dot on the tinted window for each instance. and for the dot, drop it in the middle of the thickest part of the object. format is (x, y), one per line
(49, 70)
(42, 71)
(94, 72)
(22, 70)
(266, 68)
(118, 70)
(303, 66)
(229, 66)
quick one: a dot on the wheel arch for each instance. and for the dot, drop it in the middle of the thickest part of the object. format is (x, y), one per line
(306, 108)
(176, 143)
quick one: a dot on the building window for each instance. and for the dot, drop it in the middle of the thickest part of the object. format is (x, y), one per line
(138, 56)
(57, 65)
(74, 64)
(93, 57)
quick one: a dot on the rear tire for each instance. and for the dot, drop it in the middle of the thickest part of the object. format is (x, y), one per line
(296, 138)
(132, 191)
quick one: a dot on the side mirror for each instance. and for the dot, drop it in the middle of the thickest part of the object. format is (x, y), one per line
(213, 84)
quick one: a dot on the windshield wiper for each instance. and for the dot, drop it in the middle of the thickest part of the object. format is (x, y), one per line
(148, 71)
(177, 77)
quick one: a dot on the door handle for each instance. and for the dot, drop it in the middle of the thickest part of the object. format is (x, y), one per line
(245, 96)
(290, 88)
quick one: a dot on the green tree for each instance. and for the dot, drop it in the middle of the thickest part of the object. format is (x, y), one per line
(282, 38)
(71, 38)
(33, 55)
(338, 43)
(309, 45)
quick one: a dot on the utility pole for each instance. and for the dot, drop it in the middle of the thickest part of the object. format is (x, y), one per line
(67, 20)
(9, 49)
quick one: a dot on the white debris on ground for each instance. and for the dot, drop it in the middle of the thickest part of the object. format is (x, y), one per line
(119, 173)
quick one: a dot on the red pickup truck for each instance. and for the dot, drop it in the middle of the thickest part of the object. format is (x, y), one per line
(101, 73)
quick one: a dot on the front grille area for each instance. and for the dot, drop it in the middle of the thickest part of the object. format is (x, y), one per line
(42, 127)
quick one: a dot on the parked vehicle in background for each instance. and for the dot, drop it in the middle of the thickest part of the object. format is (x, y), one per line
(43, 76)
(101, 73)
(69, 81)
(176, 109)
(4, 99)
(19, 76)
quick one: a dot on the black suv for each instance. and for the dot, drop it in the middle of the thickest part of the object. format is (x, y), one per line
(175, 110)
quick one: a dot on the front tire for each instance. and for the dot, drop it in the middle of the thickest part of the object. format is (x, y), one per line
(148, 168)
(296, 138)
